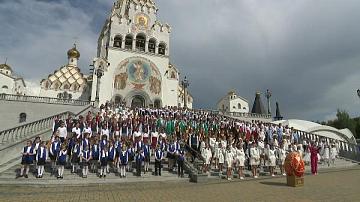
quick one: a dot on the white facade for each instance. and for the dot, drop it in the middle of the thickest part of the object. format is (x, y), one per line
(9, 83)
(133, 55)
(233, 103)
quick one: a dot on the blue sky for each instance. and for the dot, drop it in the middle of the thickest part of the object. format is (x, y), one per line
(307, 52)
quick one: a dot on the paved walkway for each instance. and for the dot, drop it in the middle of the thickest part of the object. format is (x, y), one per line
(335, 185)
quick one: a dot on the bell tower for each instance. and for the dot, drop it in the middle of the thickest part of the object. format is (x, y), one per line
(135, 45)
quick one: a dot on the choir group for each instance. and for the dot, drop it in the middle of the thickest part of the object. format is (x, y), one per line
(120, 139)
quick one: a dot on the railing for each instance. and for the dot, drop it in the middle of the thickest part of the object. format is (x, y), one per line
(21, 132)
(48, 100)
(247, 115)
(238, 114)
(346, 149)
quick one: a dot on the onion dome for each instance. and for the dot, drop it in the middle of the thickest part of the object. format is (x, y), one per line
(5, 67)
(73, 53)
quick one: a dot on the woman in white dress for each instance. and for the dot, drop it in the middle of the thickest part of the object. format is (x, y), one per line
(254, 159)
(307, 155)
(333, 153)
(240, 161)
(216, 154)
(229, 157)
(281, 159)
(207, 156)
(272, 160)
(220, 155)
(326, 155)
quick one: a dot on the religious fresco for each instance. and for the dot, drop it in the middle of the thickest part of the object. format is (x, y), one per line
(120, 81)
(142, 22)
(138, 73)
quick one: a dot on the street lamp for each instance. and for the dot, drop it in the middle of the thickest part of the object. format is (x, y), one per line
(268, 96)
(99, 73)
(185, 84)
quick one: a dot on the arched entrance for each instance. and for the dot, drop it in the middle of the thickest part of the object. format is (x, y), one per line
(138, 101)
(118, 99)
(157, 104)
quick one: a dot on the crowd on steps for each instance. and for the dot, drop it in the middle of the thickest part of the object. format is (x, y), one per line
(120, 139)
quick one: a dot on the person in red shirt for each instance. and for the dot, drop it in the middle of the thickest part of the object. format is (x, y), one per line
(314, 150)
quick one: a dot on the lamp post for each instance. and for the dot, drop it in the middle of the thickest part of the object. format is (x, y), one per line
(268, 96)
(185, 84)
(99, 73)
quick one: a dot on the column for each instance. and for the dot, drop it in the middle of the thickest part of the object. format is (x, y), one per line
(147, 46)
(134, 44)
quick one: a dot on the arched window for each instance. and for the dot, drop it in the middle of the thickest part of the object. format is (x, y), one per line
(128, 42)
(66, 86)
(117, 41)
(74, 87)
(140, 42)
(239, 106)
(157, 104)
(162, 48)
(5, 87)
(22, 118)
(152, 44)
(56, 85)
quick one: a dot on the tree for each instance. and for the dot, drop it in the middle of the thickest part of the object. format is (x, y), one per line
(343, 120)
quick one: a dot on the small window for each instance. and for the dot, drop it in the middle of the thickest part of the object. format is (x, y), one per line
(234, 107)
(128, 42)
(5, 87)
(140, 42)
(117, 41)
(239, 106)
(152, 44)
(22, 118)
(162, 48)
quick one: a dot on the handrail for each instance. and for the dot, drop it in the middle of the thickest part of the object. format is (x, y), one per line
(20, 132)
(49, 100)
(239, 114)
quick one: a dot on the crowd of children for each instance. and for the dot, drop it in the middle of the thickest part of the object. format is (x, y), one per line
(118, 138)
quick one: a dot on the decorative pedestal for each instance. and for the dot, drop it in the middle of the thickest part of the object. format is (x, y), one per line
(294, 181)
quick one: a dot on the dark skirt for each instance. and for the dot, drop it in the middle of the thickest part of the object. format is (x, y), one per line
(84, 163)
(147, 158)
(61, 163)
(41, 162)
(53, 158)
(103, 162)
(27, 160)
(75, 159)
(170, 156)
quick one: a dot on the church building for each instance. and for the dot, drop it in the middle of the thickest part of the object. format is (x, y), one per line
(132, 64)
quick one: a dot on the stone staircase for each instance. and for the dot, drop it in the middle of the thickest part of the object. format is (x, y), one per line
(9, 176)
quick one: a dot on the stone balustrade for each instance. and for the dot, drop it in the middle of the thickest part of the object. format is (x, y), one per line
(48, 100)
(23, 131)
(27, 130)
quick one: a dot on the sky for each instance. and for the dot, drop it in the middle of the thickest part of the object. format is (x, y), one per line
(306, 52)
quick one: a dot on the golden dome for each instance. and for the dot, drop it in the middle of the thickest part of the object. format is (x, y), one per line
(73, 53)
(5, 67)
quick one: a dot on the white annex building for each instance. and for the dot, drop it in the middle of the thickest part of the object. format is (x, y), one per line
(9, 82)
(233, 103)
(132, 64)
